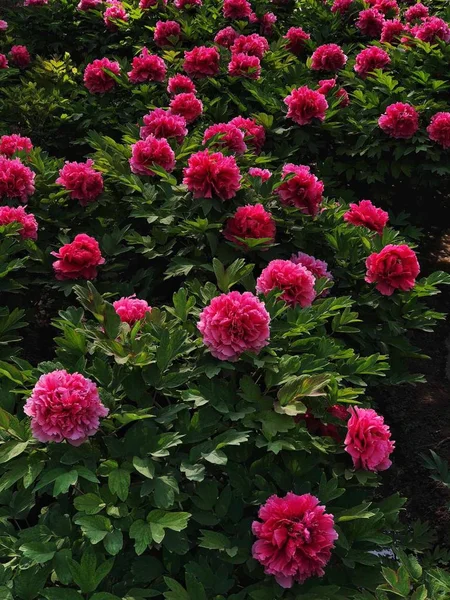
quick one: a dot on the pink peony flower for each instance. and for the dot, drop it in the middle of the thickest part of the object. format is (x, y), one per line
(149, 152)
(115, 12)
(131, 309)
(145, 4)
(365, 214)
(236, 9)
(318, 268)
(316, 426)
(295, 538)
(209, 174)
(431, 29)
(234, 323)
(388, 7)
(263, 174)
(439, 129)
(400, 120)
(250, 221)
(3, 62)
(328, 57)
(186, 105)
(392, 31)
(3, 25)
(253, 45)
(225, 37)
(341, 6)
(96, 79)
(305, 104)
(180, 4)
(394, 268)
(179, 84)
(167, 33)
(79, 259)
(302, 190)
(254, 134)
(147, 67)
(230, 136)
(29, 226)
(266, 23)
(9, 144)
(417, 12)
(370, 59)
(368, 440)
(82, 181)
(85, 5)
(242, 65)
(16, 180)
(370, 22)
(20, 57)
(64, 406)
(295, 281)
(163, 124)
(296, 39)
(326, 85)
(201, 62)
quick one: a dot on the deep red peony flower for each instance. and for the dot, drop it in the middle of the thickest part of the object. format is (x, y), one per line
(295, 538)
(115, 12)
(96, 79)
(394, 268)
(20, 57)
(147, 67)
(365, 214)
(400, 120)
(370, 22)
(242, 65)
(149, 152)
(341, 6)
(439, 129)
(253, 45)
(368, 440)
(370, 59)
(82, 181)
(392, 31)
(416, 12)
(250, 221)
(3, 62)
(180, 84)
(211, 174)
(431, 29)
(263, 174)
(225, 37)
(131, 309)
(305, 104)
(329, 57)
(186, 105)
(229, 136)
(302, 190)
(254, 134)
(79, 259)
(236, 9)
(167, 33)
(10, 144)
(296, 282)
(163, 124)
(201, 62)
(16, 180)
(29, 226)
(296, 39)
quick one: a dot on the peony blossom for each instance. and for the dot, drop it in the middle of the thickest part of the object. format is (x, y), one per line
(115, 12)
(234, 323)
(254, 134)
(392, 31)
(253, 45)
(305, 104)
(416, 12)
(10, 144)
(365, 214)
(225, 37)
(370, 59)
(394, 268)
(368, 440)
(295, 538)
(20, 57)
(131, 309)
(16, 180)
(85, 5)
(250, 221)
(82, 181)
(400, 120)
(295, 281)
(147, 67)
(328, 57)
(317, 426)
(242, 65)
(341, 6)
(236, 9)
(201, 62)
(439, 129)
(29, 226)
(326, 85)
(266, 23)
(64, 406)
(432, 29)
(149, 152)
(96, 79)
(181, 4)
(79, 259)
(180, 84)
(187, 106)
(301, 189)
(319, 268)
(211, 174)
(296, 39)
(163, 124)
(229, 136)
(167, 33)
(389, 8)
(370, 22)
(3, 25)
(3, 62)
(263, 174)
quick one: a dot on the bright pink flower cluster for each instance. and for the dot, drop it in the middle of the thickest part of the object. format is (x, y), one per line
(400, 120)
(16, 180)
(186, 105)
(365, 214)
(79, 259)
(250, 221)
(9, 144)
(150, 152)
(301, 189)
(226, 37)
(370, 22)
(263, 174)
(147, 67)
(167, 33)
(296, 39)
(439, 129)
(82, 181)
(431, 29)
(305, 104)
(131, 309)
(211, 174)
(164, 124)
(243, 65)
(389, 8)
(328, 57)
(229, 136)
(392, 31)
(341, 6)
(416, 12)
(295, 281)
(319, 268)
(368, 440)
(29, 226)
(115, 12)
(236, 9)
(201, 62)
(254, 134)
(326, 85)
(179, 84)
(96, 79)
(20, 57)
(253, 45)
(370, 59)
(394, 268)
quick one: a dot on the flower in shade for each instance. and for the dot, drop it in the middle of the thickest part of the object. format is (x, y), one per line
(370, 22)
(328, 57)
(234, 323)
(96, 78)
(3, 62)
(296, 39)
(250, 222)
(179, 84)
(431, 29)
(254, 134)
(9, 144)
(295, 538)
(229, 136)
(416, 12)
(84, 5)
(29, 226)
(3, 25)
(145, 4)
(20, 57)
(439, 129)
(368, 440)
(211, 174)
(82, 181)
(79, 259)
(392, 31)
(35, 2)
(341, 6)
(16, 180)
(201, 62)
(151, 152)
(236, 9)
(225, 37)
(180, 4)
(370, 59)
(319, 268)
(115, 12)
(131, 309)
(243, 65)
(326, 85)
(305, 104)
(266, 23)
(400, 120)
(253, 45)
(263, 174)
(167, 33)
(317, 426)
(163, 124)
(187, 105)
(147, 67)
(294, 280)
(64, 406)
(365, 214)
(301, 189)
(394, 268)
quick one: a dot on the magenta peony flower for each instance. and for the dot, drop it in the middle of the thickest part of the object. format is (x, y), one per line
(303, 190)
(368, 440)
(341, 6)
(115, 12)
(187, 106)
(131, 309)
(295, 538)
(211, 174)
(266, 23)
(180, 4)
(439, 129)
(167, 33)
(295, 281)
(392, 31)
(19, 215)
(431, 29)
(163, 124)
(242, 65)
(85, 5)
(16, 180)
(400, 120)
(394, 268)
(20, 57)
(263, 174)
(230, 136)
(305, 104)
(296, 39)
(3, 62)
(3, 25)
(416, 12)
(316, 426)
(250, 221)
(10, 144)
(370, 59)
(253, 45)
(365, 214)
(236, 9)
(328, 57)
(64, 406)
(225, 37)
(389, 8)
(82, 181)
(234, 323)
(79, 259)
(201, 62)
(254, 134)
(370, 22)
(96, 79)
(179, 84)
(147, 67)
(326, 85)
(319, 268)
(145, 4)
(149, 152)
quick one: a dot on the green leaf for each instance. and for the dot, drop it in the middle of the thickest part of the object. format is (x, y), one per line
(113, 542)
(119, 483)
(104, 596)
(64, 481)
(193, 472)
(144, 466)
(10, 450)
(165, 489)
(38, 551)
(5, 593)
(58, 593)
(177, 521)
(91, 504)
(214, 540)
(177, 591)
(95, 528)
(141, 533)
